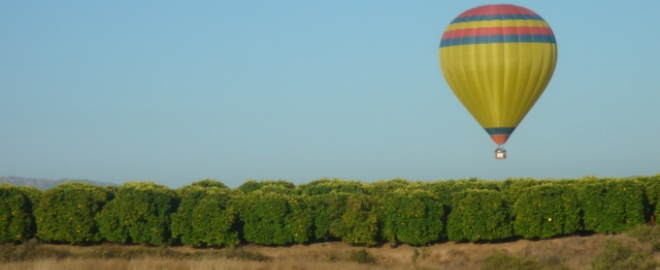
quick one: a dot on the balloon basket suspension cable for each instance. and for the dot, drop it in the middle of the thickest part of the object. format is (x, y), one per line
(500, 153)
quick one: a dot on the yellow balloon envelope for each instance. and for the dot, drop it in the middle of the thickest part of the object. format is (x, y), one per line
(498, 59)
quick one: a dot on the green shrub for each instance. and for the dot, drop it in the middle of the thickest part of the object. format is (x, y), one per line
(205, 216)
(139, 214)
(359, 224)
(214, 220)
(278, 186)
(300, 219)
(182, 229)
(443, 190)
(413, 217)
(479, 215)
(207, 213)
(32, 194)
(381, 188)
(16, 219)
(327, 186)
(545, 211)
(274, 218)
(326, 211)
(652, 192)
(612, 206)
(209, 183)
(67, 213)
(513, 187)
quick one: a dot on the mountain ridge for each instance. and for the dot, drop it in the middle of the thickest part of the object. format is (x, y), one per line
(43, 183)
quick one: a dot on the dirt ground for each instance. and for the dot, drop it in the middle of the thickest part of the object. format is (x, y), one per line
(573, 252)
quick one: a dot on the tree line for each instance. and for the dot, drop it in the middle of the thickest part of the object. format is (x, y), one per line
(207, 213)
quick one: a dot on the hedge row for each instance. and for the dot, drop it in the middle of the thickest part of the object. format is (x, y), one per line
(209, 214)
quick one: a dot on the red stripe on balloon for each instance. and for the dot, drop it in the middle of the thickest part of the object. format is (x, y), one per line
(490, 31)
(496, 10)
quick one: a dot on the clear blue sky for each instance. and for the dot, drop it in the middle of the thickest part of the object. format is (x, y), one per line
(177, 91)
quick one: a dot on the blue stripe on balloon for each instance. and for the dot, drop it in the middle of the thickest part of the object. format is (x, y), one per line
(497, 17)
(497, 39)
(500, 130)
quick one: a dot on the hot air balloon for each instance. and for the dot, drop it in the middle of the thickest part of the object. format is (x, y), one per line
(498, 59)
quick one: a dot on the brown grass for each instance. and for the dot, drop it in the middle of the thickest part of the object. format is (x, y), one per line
(575, 252)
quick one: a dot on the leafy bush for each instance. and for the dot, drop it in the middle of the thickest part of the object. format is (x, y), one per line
(214, 221)
(326, 211)
(546, 211)
(443, 190)
(381, 188)
(652, 192)
(32, 194)
(182, 229)
(359, 224)
(279, 186)
(273, 218)
(327, 186)
(413, 217)
(139, 214)
(208, 213)
(612, 206)
(67, 213)
(205, 217)
(300, 219)
(512, 188)
(479, 215)
(209, 183)
(16, 219)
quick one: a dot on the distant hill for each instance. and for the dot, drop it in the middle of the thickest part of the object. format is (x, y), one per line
(46, 183)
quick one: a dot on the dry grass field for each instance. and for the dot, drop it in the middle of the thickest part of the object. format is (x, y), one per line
(575, 252)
